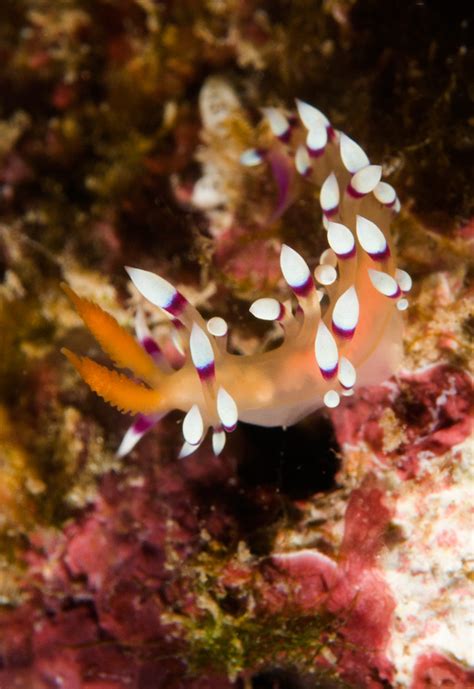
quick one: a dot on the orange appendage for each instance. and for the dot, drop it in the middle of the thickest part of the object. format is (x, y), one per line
(115, 388)
(122, 348)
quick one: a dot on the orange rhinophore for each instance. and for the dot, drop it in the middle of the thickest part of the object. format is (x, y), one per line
(122, 348)
(342, 331)
(115, 388)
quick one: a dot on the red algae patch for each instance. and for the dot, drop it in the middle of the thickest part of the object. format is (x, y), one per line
(352, 588)
(434, 671)
(430, 412)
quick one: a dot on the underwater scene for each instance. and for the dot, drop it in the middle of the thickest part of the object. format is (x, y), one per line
(236, 325)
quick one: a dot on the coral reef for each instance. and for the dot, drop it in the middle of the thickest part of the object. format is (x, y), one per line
(337, 553)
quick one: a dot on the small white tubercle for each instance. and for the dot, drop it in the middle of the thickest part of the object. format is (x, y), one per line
(331, 399)
(217, 326)
(325, 274)
(267, 309)
(402, 304)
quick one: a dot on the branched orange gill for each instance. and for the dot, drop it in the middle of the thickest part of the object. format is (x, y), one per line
(341, 330)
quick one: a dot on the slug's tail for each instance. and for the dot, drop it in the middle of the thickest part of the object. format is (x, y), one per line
(115, 388)
(121, 347)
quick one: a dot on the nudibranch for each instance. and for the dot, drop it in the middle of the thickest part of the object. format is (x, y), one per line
(341, 329)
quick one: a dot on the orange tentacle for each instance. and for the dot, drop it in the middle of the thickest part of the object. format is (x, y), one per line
(115, 388)
(122, 348)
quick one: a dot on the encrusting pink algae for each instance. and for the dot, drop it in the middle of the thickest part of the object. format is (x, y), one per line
(342, 331)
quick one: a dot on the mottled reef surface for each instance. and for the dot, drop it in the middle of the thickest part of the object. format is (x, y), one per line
(335, 554)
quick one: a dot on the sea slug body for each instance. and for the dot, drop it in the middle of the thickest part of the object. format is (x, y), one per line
(342, 331)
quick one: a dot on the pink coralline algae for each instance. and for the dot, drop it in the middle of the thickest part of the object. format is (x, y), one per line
(112, 599)
(352, 588)
(433, 408)
(434, 670)
(98, 592)
(414, 434)
(97, 613)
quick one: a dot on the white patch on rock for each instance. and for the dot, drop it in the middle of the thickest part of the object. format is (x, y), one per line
(428, 571)
(217, 103)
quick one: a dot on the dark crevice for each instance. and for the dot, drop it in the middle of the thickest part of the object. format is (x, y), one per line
(299, 461)
(288, 679)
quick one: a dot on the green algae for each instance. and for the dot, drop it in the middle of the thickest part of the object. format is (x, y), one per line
(235, 645)
(236, 630)
(51, 450)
